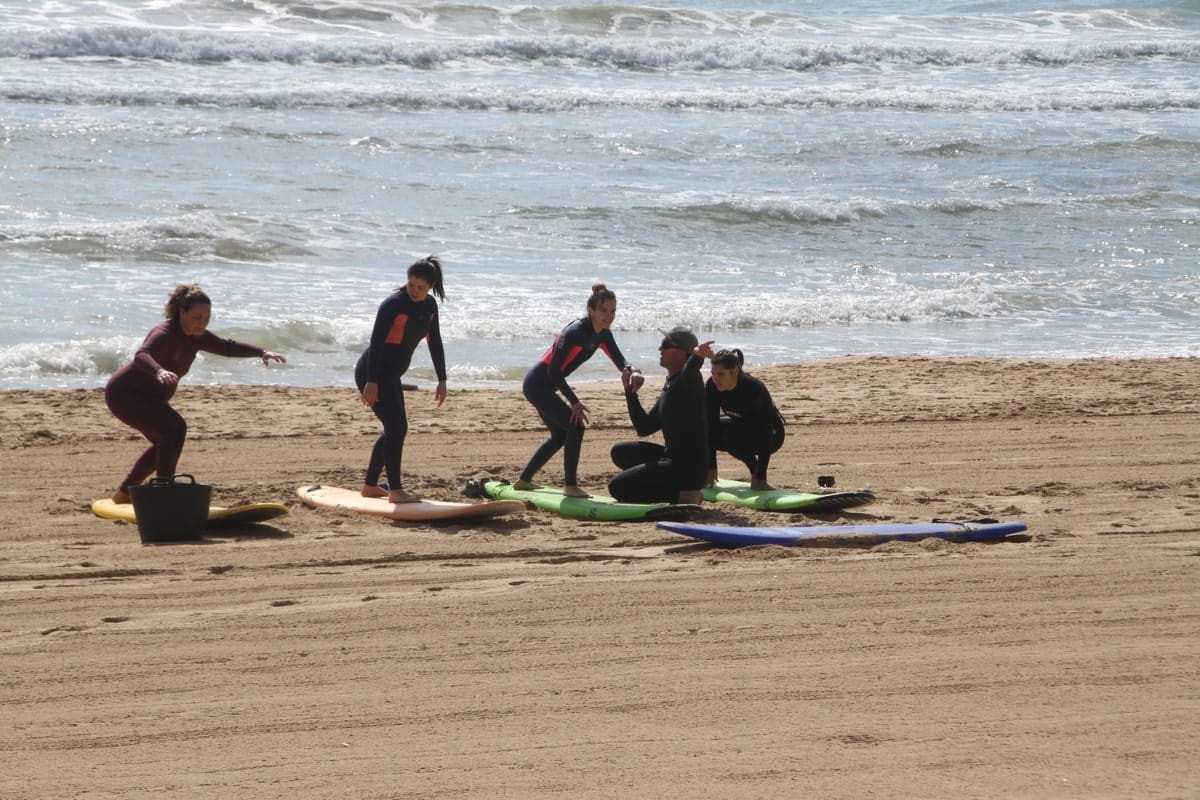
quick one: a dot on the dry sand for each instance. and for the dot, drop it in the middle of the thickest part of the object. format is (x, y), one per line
(327, 655)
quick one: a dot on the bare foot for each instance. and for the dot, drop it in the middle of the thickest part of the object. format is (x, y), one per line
(525, 486)
(691, 496)
(570, 490)
(401, 496)
(121, 497)
(760, 485)
(373, 491)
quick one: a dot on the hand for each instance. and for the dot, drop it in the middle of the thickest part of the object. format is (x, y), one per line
(167, 378)
(370, 393)
(579, 413)
(631, 379)
(704, 349)
(268, 357)
(439, 393)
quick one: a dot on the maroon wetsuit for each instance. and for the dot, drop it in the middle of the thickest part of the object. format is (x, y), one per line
(135, 396)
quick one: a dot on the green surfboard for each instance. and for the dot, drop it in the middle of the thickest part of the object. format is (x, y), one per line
(741, 493)
(595, 507)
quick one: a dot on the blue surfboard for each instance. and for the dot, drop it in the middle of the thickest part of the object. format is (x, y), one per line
(826, 535)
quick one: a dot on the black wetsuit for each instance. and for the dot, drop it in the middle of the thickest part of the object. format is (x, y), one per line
(651, 472)
(135, 396)
(547, 379)
(400, 325)
(745, 423)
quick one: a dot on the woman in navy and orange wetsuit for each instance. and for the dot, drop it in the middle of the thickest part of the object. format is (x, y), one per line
(405, 319)
(547, 379)
(140, 392)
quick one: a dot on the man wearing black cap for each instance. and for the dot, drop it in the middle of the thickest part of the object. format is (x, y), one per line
(675, 473)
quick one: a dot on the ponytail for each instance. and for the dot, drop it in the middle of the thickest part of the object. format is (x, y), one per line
(429, 269)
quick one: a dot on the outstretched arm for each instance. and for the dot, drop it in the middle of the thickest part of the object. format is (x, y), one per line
(644, 422)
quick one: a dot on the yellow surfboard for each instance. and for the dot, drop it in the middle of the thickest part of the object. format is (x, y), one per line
(217, 515)
(421, 511)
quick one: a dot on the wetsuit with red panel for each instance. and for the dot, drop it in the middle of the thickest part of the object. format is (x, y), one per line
(400, 326)
(547, 380)
(136, 397)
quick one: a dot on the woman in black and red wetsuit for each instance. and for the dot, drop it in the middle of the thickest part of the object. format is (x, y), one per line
(139, 393)
(405, 319)
(547, 379)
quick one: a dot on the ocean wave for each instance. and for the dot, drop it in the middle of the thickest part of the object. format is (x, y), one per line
(626, 53)
(863, 296)
(550, 101)
(77, 358)
(706, 210)
(189, 237)
(309, 336)
(379, 17)
(747, 211)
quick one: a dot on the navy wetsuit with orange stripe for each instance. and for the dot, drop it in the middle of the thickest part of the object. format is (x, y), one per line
(136, 397)
(547, 379)
(400, 325)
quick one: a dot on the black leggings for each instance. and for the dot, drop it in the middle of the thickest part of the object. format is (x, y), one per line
(746, 444)
(647, 476)
(388, 450)
(564, 435)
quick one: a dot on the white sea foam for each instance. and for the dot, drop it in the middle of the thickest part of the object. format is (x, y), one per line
(548, 101)
(684, 54)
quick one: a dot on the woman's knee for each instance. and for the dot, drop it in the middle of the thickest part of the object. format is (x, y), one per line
(396, 431)
(166, 426)
(395, 420)
(623, 455)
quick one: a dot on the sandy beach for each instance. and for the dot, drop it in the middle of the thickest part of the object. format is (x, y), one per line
(330, 655)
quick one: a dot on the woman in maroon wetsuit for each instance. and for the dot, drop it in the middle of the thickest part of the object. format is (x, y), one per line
(139, 393)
